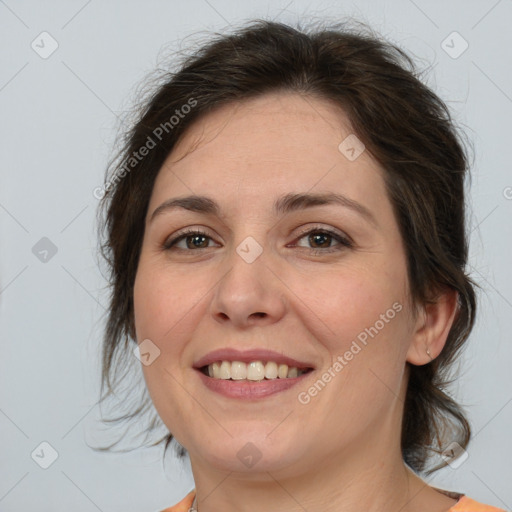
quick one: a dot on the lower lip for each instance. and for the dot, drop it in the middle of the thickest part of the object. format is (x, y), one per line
(248, 390)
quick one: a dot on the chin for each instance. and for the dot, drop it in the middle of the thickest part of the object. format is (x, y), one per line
(250, 454)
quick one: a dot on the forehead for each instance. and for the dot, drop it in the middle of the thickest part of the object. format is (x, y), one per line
(266, 146)
(268, 124)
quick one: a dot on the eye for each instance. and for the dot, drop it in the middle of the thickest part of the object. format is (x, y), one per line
(196, 239)
(322, 238)
(195, 236)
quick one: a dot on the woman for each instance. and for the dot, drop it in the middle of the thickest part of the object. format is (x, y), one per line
(286, 238)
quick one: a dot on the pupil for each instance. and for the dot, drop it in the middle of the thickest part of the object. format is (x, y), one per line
(323, 235)
(195, 238)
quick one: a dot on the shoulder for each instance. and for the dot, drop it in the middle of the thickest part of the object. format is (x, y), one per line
(466, 504)
(184, 505)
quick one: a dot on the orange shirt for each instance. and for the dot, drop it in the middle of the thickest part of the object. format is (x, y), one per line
(464, 504)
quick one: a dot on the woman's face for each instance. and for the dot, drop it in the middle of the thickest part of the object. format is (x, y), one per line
(274, 274)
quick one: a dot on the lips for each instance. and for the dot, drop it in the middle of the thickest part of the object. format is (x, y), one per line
(248, 356)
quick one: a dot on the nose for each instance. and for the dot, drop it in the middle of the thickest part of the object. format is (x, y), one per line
(249, 293)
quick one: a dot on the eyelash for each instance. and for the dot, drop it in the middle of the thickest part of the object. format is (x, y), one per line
(343, 241)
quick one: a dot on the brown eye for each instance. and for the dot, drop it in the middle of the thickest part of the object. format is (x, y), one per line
(320, 238)
(320, 241)
(194, 239)
(197, 241)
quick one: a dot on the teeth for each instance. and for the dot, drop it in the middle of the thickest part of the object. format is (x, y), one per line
(255, 370)
(271, 370)
(225, 370)
(239, 371)
(293, 372)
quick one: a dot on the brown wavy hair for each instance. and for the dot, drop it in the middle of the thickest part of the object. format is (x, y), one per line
(403, 124)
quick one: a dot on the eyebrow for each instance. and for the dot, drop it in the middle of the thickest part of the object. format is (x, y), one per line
(283, 205)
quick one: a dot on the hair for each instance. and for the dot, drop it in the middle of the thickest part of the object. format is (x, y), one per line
(405, 126)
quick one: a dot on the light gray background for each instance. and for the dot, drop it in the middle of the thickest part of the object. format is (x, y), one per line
(58, 122)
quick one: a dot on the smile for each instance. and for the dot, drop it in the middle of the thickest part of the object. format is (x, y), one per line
(253, 371)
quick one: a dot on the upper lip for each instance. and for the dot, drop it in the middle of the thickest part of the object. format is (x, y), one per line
(247, 356)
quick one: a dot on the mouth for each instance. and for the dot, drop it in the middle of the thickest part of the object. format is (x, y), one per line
(250, 374)
(252, 365)
(255, 371)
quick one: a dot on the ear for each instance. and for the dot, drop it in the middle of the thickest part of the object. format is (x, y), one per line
(432, 327)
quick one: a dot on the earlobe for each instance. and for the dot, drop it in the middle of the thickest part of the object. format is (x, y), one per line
(432, 328)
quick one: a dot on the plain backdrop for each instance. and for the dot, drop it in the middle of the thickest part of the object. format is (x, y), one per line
(61, 93)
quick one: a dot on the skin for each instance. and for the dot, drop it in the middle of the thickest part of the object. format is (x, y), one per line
(340, 451)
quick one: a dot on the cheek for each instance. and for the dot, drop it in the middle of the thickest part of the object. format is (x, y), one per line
(361, 321)
(162, 300)
(164, 313)
(348, 303)
(364, 331)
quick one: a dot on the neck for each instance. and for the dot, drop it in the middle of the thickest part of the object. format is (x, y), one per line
(362, 477)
